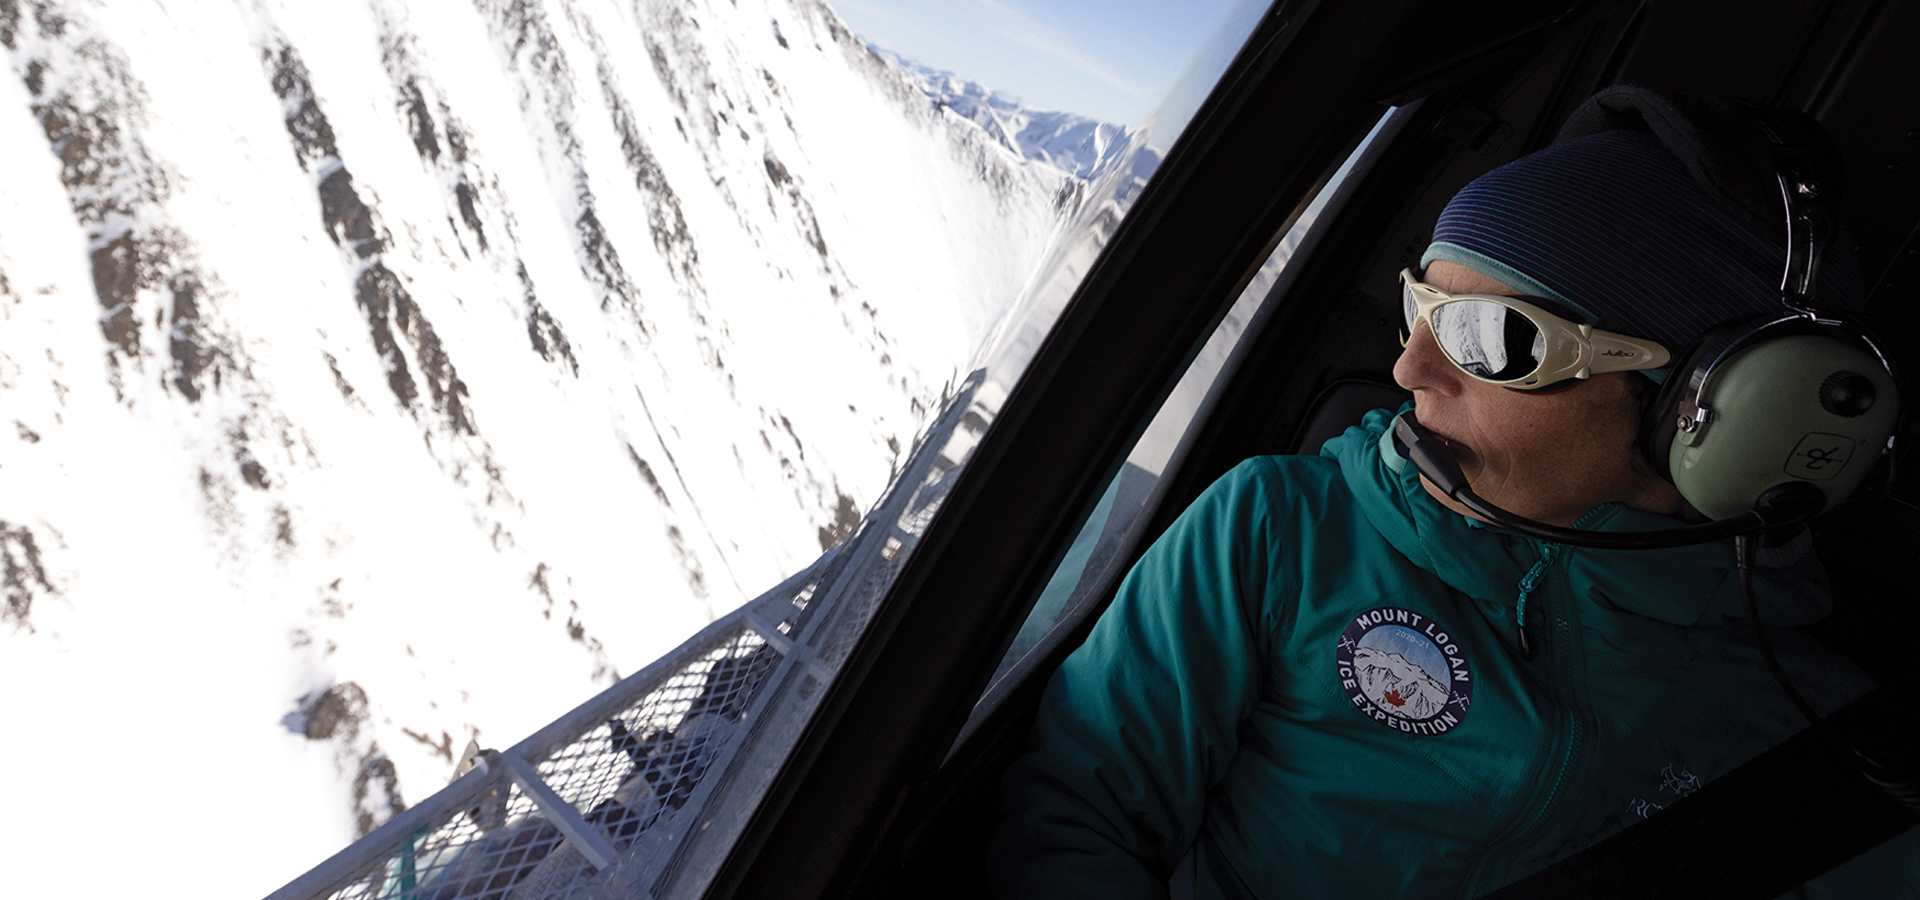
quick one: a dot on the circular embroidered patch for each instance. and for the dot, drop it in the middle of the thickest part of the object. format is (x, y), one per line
(1405, 671)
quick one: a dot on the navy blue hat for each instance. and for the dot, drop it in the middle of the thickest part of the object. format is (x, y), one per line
(1612, 226)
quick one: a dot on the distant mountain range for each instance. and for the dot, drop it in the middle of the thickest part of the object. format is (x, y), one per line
(1073, 143)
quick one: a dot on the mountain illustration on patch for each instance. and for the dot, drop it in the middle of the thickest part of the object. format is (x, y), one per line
(1396, 685)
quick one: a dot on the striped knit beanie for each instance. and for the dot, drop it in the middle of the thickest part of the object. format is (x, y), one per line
(1612, 226)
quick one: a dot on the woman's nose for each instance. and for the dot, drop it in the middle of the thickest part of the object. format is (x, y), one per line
(1423, 367)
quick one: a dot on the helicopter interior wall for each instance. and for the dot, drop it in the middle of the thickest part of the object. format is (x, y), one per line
(1846, 62)
(1850, 71)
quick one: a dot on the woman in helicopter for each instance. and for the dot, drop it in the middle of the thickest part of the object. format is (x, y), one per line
(1329, 677)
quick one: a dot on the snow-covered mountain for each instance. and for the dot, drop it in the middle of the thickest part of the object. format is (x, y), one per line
(380, 375)
(1390, 680)
(1085, 147)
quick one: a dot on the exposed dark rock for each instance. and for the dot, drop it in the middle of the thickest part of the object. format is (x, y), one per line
(665, 220)
(312, 135)
(389, 309)
(418, 96)
(603, 669)
(542, 331)
(92, 111)
(537, 582)
(419, 121)
(443, 748)
(374, 293)
(541, 583)
(340, 714)
(463, 196)
(384, 303)
(846, 516)
(22, 575)
(456, 135)
(346, 216)
(283, 526)
(449, 392)
(376, 793)
(339, 710)
(696, 575)
(340, 380)
(603, 265)
(194, 355)
(406, 343)
(251, 471)
(217, 490)
(117, 274)
(777, 171)
(663, 70)
(9, 22)
(526, 37)
(786, 425)
(646, 474)
(810, 229)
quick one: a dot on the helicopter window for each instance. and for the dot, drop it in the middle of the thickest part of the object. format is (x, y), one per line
(1100, 551)
(649, 784)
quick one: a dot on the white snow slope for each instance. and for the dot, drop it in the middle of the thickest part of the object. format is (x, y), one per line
(384, 374)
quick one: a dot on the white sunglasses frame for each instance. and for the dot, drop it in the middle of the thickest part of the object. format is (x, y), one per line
(1573, 349)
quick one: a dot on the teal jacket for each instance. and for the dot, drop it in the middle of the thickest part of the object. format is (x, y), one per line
(1313, 682)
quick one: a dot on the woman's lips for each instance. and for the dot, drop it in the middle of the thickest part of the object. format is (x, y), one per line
(1455, 446)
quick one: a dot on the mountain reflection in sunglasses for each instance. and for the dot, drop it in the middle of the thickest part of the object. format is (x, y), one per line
(1514, 343)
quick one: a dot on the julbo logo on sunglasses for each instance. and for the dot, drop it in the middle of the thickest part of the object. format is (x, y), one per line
(1516, 344)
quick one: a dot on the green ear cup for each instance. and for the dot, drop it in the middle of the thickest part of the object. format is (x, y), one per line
(1802, 408)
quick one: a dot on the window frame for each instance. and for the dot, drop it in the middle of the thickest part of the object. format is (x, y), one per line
(1295, 102)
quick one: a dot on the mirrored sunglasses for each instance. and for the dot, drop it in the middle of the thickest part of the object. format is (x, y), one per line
(1516, 344)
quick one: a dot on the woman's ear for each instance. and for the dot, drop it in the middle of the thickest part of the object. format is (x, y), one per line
(1658, 495)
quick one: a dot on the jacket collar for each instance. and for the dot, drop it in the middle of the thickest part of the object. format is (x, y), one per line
(1680, 586)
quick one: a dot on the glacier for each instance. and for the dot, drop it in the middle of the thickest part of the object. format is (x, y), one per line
(384, 376)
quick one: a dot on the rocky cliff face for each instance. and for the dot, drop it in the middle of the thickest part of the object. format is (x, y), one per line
(380, 375)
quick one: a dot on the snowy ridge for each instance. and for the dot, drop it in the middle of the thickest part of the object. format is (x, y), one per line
(1073, 143)
(1401, 686)
(384, 375)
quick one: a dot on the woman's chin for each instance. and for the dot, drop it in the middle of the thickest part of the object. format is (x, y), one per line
(1440, 497)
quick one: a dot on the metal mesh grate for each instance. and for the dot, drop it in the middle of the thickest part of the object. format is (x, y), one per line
(480, 851)
(856, 609)
(646, 761)
(622, 776)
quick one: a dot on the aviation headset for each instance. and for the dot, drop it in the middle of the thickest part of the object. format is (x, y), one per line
(1767, 421)
(1770, 420)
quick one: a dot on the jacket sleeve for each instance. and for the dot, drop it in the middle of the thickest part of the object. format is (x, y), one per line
(1141, 721)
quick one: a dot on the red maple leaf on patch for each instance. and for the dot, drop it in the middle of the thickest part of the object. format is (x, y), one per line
(1394, 698)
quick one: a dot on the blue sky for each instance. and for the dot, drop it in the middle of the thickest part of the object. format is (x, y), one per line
(1115, 60)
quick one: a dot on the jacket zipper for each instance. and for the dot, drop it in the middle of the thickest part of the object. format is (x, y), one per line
(1568, 712)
